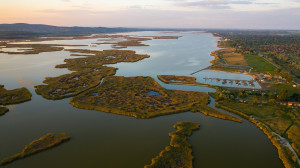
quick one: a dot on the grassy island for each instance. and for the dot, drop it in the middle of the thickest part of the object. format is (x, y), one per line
(3, 110)
(183, 80)
(45, 142)
(32, 48)
(131, 41)
(125, 42)
(165, 37)
(179, 153)
(14, 96)
(89, 72)
(143, 97)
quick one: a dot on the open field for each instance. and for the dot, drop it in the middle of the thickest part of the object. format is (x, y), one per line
(229, 56)
(259, 64)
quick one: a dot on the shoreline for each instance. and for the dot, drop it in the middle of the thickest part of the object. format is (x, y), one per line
(272, 136)
(283, 156)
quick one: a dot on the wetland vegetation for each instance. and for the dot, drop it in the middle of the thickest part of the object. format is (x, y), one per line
(120, 95)
(47, 141)
(88, 72)
(184, 80)
(130, 96)
(14, 96)
(179, 152)
(3, 110)
(93, 86)
(31, 48)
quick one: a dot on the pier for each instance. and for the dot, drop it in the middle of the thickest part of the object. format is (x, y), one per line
(198, 71)
(237, 82)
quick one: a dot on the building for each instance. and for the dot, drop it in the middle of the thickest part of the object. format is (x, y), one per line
(294, 103)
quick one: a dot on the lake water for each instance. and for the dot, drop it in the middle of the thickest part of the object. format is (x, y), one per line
(111, 141)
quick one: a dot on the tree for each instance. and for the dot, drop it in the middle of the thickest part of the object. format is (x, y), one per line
(255, 99)
(272, 101)
(282, 95)
(271, 95)
(278, 70)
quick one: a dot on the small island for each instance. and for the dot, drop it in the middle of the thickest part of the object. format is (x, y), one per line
(14, 96)
(182, 80)
(179, 153)
(31, 48)
(165, 37)
(3, 110)
(45, 142)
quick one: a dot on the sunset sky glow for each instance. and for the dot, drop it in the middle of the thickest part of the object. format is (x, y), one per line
(245, 14)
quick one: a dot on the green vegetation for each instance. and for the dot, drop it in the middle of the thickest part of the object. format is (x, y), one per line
(131, 41)
(292, 92)
(206, 110)
(281, 47)
(3, 110)
(280, 119)
(14, 96)
(69, 85)
(259, 64)
(45, 142)
(89, 72)
(142, 97)
(294, 134)
(287, 157)
(184, 80)
(277, 118)
(179, 153)
(229, 56)
(120, 95)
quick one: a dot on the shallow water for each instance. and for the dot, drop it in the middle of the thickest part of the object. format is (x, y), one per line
(107, 140)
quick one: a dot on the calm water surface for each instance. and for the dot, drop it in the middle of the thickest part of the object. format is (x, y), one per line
(112, 141)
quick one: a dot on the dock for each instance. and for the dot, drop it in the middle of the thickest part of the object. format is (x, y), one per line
(230, 81)
(198, 71)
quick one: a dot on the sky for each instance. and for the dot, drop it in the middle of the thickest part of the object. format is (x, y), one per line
(237, 14)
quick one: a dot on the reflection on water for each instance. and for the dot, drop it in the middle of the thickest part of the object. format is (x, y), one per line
(107, 140)
(15, 49)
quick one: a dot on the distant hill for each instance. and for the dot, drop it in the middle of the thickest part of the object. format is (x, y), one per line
(23, 30)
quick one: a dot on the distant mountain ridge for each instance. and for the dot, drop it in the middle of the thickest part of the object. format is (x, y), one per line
(23, 30)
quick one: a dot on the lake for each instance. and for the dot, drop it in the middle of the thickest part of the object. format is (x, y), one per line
(107, 140)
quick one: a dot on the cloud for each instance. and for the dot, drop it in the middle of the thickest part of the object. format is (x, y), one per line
(137, 17)
(135, 7)
(218, 4)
